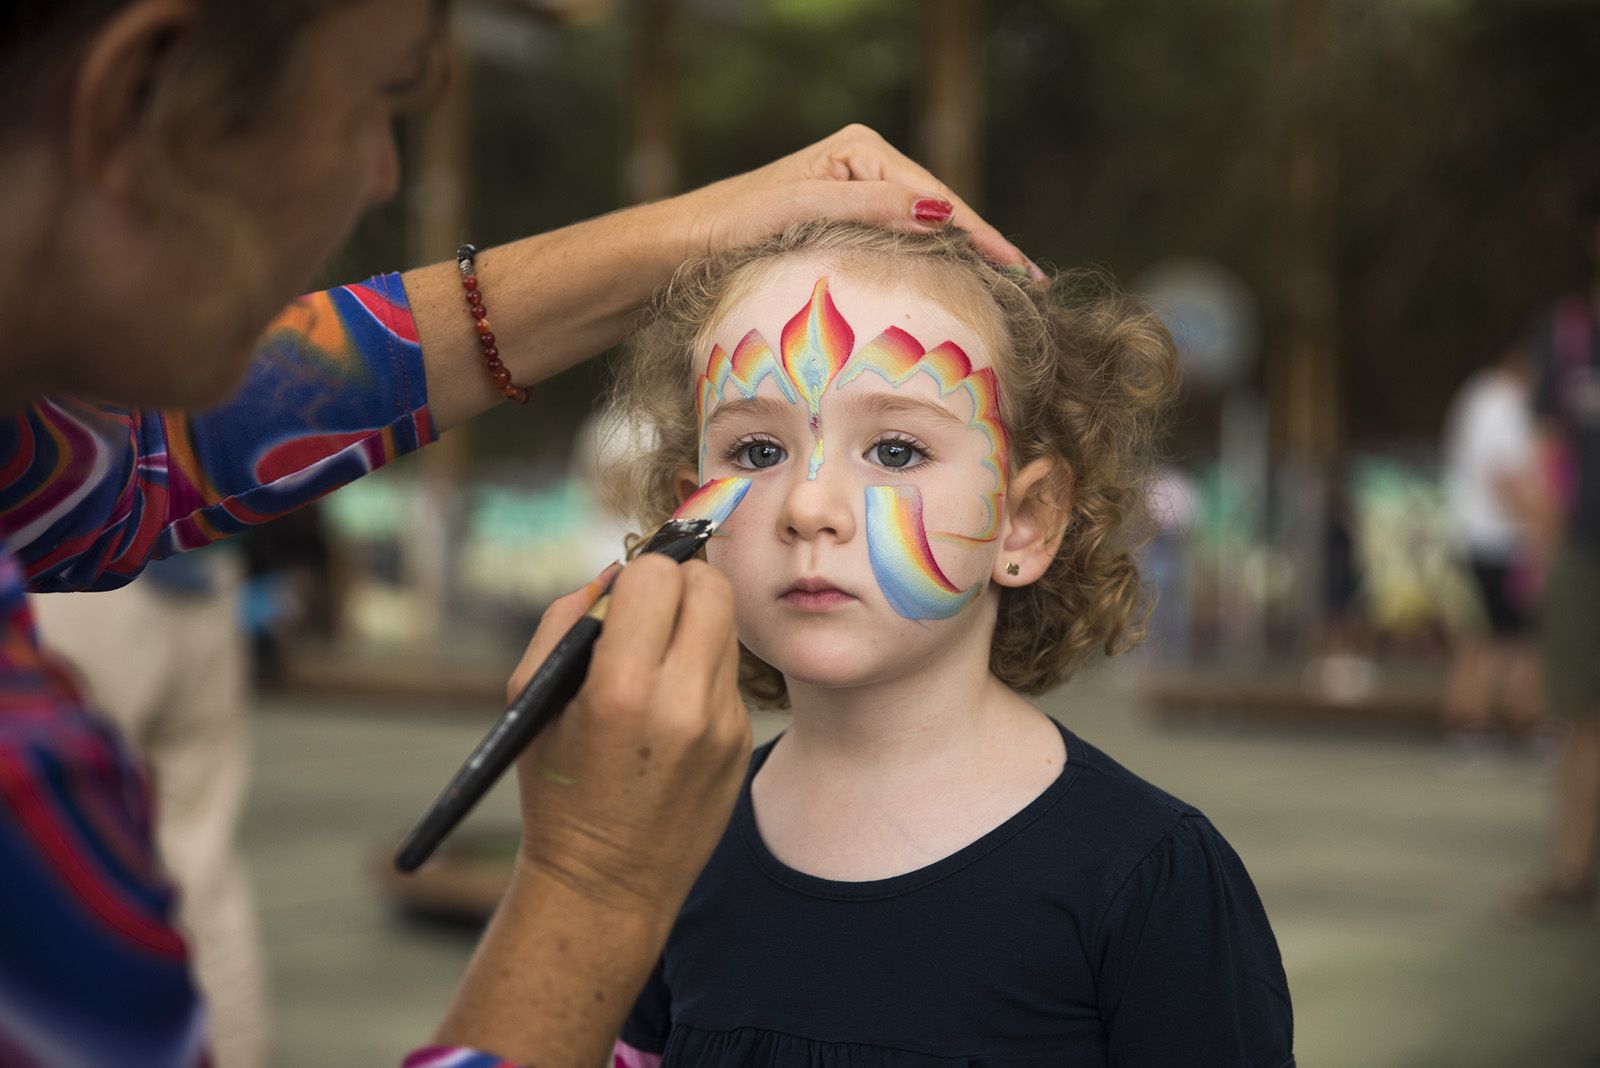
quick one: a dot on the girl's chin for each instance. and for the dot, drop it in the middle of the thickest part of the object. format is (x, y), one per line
(830, 667)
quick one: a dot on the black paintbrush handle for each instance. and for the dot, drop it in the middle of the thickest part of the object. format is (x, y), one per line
(554, 685)
(541, 700)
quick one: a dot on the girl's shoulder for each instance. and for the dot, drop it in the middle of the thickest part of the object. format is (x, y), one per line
(1111, 821)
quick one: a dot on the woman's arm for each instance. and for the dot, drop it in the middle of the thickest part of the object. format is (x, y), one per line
(349, 379)
(90, 493)
(557, 299)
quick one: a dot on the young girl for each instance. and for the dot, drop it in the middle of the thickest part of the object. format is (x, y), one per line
(925, 869)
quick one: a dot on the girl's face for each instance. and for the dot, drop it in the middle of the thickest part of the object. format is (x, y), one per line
(865, 412)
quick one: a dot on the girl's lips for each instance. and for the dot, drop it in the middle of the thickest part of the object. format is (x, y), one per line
(810, 595)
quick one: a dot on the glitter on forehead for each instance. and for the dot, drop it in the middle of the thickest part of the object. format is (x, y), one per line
(902, 560)
(816, 345)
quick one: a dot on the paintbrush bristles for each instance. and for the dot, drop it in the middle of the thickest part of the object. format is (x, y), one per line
(714, 501)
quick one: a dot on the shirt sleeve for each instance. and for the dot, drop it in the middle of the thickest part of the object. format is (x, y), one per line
(90, 493)
(1189, 970)
(92, 970)
(453, 1057)
(645, 1031)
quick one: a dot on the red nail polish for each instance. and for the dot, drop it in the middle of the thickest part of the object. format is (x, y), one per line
(932, 210)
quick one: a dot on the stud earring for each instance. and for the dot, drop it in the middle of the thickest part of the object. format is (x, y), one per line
(1012, 569)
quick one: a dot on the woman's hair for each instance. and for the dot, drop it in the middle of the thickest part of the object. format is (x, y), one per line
(1084, 374)
(238, 62)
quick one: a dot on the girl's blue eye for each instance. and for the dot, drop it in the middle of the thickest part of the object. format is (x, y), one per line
(896, 453)
(760, 454)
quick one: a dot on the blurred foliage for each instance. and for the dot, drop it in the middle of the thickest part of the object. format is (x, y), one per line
(1116, 132)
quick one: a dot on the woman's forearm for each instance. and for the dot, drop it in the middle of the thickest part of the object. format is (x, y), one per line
(553, 300)
(554, 975)
(556, 299)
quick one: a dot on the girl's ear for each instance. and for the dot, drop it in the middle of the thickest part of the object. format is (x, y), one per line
(687, 483)
(1037, 511)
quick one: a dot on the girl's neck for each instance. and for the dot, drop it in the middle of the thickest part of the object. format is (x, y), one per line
(929, 715)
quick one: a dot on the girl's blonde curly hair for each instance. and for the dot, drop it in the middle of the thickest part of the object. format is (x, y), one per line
(1085, 373)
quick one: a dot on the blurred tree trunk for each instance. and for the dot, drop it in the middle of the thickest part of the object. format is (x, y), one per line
(652, 168)
(1308, 387)
(949, 130)
(1304, 381)
(436, 226)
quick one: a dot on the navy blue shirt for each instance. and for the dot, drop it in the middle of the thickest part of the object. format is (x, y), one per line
(1107, 923)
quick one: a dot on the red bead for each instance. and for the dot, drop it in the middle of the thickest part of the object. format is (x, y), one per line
(485, 338)
(483, 326)
(478, 311)
(491, 352)
(470, 281)
(493, 362)
(521, 395)
(501, 376)
(474, 297)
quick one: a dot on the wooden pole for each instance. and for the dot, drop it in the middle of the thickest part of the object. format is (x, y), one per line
(437, 225)
(1309, 389)
(949, 130)
(652, 169)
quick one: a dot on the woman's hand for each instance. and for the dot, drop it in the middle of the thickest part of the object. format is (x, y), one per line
(854, 174)
(627, 793)
(623, 798)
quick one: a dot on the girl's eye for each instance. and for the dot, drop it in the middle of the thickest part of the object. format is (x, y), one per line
(760, 454)
(896, 452)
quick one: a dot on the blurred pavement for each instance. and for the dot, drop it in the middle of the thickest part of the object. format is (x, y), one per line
(1380, 858)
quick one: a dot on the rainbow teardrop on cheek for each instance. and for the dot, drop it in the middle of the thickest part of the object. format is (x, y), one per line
(902, 560)
(715, 500)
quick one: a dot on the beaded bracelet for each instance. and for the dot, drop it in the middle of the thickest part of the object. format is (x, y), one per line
(465, 259)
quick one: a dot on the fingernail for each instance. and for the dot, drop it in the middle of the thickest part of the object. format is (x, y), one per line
(1035, 273)
(602, 582)
(932, 211)
(1017, 271)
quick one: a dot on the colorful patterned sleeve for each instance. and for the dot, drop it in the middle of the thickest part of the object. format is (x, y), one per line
(91, 493)
(624, 1056)
(453, 1057)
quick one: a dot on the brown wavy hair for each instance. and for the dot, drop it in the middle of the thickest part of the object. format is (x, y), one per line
(1085, 374)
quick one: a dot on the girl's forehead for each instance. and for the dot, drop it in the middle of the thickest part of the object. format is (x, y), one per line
(869, 301)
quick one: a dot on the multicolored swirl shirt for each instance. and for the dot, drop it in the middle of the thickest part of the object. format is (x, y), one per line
(92, 971)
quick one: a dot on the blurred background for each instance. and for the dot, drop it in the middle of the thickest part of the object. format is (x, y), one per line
(1343, 208)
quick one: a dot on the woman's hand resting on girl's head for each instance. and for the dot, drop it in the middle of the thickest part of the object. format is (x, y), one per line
(852, 175)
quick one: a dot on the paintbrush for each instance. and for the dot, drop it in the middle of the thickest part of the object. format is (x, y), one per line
(557, 681)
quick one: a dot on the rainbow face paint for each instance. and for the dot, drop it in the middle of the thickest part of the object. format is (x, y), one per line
(816, 346)
(814, 357)
(751, 364)
(896, 357)
(715, 500)
(902, 559)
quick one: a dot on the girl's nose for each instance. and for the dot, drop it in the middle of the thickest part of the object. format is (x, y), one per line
(818, 507)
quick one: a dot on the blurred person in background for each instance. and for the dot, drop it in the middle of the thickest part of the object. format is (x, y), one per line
(1174, 505)
(169, 187)
(1567, 408)
(1489, 472)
